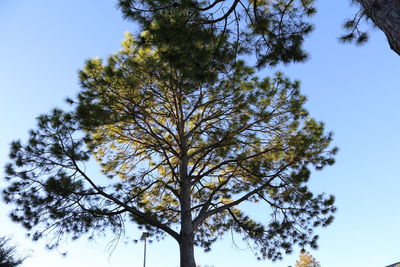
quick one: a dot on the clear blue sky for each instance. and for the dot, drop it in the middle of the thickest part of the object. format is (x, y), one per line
(354, 90)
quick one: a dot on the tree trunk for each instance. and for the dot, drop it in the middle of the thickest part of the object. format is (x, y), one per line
(186, 247)
(186, 240)
(386, 15)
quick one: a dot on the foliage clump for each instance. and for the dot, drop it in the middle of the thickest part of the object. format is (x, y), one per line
(8, 254)
(306, 260)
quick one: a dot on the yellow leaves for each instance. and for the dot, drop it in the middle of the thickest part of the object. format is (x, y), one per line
(225, 200)
(276, 155)
(265, 101)
(93, 63)
(124, 167)
(145, 201)
(260, 2)
(158, 200)
(128, 43)
(306, 260)
(130, 47)
(162, 171)
(168, 198)
(246, 86)
(145, 53)
(211, 185)
(154, 25)
(113, 146)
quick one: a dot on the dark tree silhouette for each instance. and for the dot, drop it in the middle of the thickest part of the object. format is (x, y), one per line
(384, 14)
(8, 254)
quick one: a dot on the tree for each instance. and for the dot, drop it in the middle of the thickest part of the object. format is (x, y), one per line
(273, 30)
(186, 134)
(306, 260)
(8, 257)
(385, 14)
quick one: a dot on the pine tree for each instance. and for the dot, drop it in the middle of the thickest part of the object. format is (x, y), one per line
(8, 254)
(273, 30)
(186, 134)
(384, 14)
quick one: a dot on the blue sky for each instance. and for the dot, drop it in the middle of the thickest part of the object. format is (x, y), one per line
(354, 90)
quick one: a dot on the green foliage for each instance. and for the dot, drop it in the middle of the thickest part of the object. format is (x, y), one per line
(354, 34)
(8, 254)
(181, 138)
(273, 30)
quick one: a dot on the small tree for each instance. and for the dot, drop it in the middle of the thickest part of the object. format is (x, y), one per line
(306, 260)
(186, 134)
(8, 254)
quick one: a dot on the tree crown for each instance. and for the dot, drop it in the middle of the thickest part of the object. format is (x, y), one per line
(198, 139)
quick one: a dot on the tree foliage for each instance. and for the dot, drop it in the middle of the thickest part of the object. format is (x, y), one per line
(306, 260)
(8, 254)
(273, 30)
(178, 143)
(384, 14)
(185, 134)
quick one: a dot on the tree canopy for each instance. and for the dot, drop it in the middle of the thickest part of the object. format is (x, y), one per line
(185, 133)
(273, 30)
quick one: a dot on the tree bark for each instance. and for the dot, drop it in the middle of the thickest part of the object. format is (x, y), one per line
(386, 15)
(186, 241)
(186, 247)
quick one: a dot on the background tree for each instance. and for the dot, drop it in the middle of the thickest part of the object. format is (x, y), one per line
(8, 254)
(385, 14)
(306, 260)
(186, 134)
